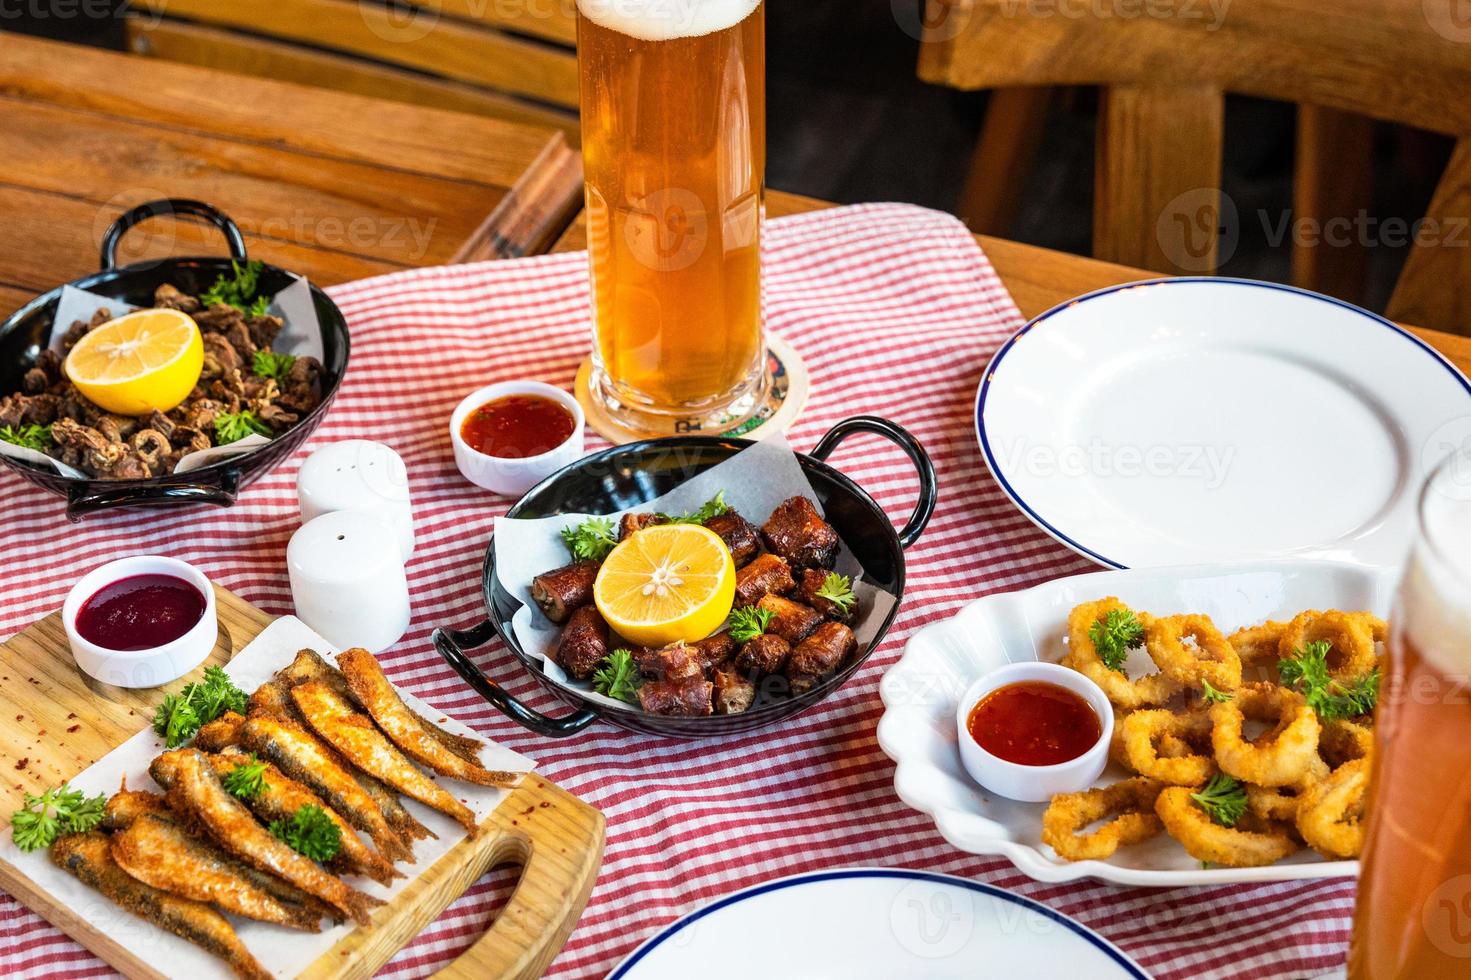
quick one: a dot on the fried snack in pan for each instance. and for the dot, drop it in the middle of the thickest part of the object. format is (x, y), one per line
(1259, 649)
(809, 588)
(1148, 691)
(764, 654)
(741, 537)
(732, 694)
(562, 591)
(1345, 739)
(797, 532)
(766, 575)
(790, 620)
(1281, 756)
(583, 643)
(687, 697)
(631, 524)
(1142, 738)
(1330, 812)
(1127, 807)
(819, 655)
(1251, 843)
(1210, 659)
(1350, 636)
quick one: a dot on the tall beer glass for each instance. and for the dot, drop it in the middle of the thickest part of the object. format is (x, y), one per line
(674, 150)
(1413, 918)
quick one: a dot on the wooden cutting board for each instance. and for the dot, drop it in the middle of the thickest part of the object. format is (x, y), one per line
(55, 721)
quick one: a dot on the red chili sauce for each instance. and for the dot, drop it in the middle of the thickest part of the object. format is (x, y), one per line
(1034, 723)
(140, 612)
(517, 426)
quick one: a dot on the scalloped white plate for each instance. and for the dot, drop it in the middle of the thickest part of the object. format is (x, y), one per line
(940, 661)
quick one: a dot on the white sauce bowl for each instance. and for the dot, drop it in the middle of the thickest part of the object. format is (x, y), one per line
(513, 477)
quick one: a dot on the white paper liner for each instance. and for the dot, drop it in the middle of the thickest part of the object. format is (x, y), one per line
(284, 952)
(301, 336)
(755, 480)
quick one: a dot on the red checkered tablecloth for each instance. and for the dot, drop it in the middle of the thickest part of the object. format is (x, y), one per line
(896, 312)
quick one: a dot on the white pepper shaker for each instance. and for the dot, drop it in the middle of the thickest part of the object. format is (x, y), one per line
(348, 581)
(360, 475)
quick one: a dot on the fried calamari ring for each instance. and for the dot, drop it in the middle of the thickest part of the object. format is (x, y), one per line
(1250, 843)
(1207, 658)
(1123, 692)
(1330, 813)
(1259, 648)
(1152, 743)
(1127, 807)
(1350, 637)
(1280, 802)
(1344, 740)
(1281, 756)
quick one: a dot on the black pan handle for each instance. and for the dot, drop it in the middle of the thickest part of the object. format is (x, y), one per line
(929, 487)
(452, 645)
(84, 499)
(171, 206)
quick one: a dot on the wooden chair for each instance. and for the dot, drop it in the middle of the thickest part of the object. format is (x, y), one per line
(1160, 116)
(511, 60)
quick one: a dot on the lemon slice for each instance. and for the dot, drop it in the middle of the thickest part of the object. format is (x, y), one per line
(146, 360)
(666, 584)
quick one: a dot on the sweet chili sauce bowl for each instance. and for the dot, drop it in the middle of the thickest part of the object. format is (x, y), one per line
(155, 665)
(1034, 784)
(510, 476)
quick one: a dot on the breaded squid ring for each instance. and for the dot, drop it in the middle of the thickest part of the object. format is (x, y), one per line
(1249, 844)
(1350, 637)
(1258, 648)
(1151, 739)
(1211, 658)
(1282, 756)
(1123, 692)
(1344, 740)
(1330, 812)
(1127, 806)
(1280, 802)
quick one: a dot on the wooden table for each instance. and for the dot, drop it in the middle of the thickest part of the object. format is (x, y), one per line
(335, 186)
(1040, 278)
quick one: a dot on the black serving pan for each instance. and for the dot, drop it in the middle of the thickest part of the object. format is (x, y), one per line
(625, 476)
(24, 335)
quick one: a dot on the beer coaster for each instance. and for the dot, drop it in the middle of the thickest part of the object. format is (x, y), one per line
(785, 398)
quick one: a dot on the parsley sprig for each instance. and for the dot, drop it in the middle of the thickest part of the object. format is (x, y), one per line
(239, 290)
(713, 507)
(619, 678)
(1223, 799)
(309, 832)
(269, 364)
(234, 426)
(1307, 673)
(838, 589)
(1210, 695)
(36, 437)
(60, 810)
(592, 539)
(181, 715)
(749, 622)
(247, 781)
(1114, 635)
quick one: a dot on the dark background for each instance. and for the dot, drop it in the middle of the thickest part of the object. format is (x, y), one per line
(849, 121)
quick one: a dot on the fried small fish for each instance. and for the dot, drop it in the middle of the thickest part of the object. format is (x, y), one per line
(312, 666)
(127, 805)
(219, 734)
(299, 754)
(404, 823)
(355, 736)
(197, 792)
(271, 699)
(88, 857)
(160, 853)
(279, 799)
(375, 694)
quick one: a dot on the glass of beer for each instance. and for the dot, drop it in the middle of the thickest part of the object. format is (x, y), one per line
(1413, 917)
(674, 154)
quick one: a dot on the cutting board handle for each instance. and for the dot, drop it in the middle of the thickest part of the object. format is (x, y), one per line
(558, 841)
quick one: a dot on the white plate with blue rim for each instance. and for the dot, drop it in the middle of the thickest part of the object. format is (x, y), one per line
(1195, 420)
(876, 924)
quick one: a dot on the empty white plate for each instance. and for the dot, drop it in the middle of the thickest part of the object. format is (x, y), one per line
(941, 660)
(875, 924)
(1185, 421)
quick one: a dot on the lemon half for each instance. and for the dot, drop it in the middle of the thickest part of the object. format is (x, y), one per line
(666, 584)
(146, 360)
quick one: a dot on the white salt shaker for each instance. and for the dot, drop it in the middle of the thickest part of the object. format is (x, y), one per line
(348, 581)
(361, 475)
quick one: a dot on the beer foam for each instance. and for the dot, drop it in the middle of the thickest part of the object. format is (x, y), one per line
(666, 20)
(1436, 598)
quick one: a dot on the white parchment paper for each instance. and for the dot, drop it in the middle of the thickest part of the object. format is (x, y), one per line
(300, 336)
(285, 952)
(755, 480)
